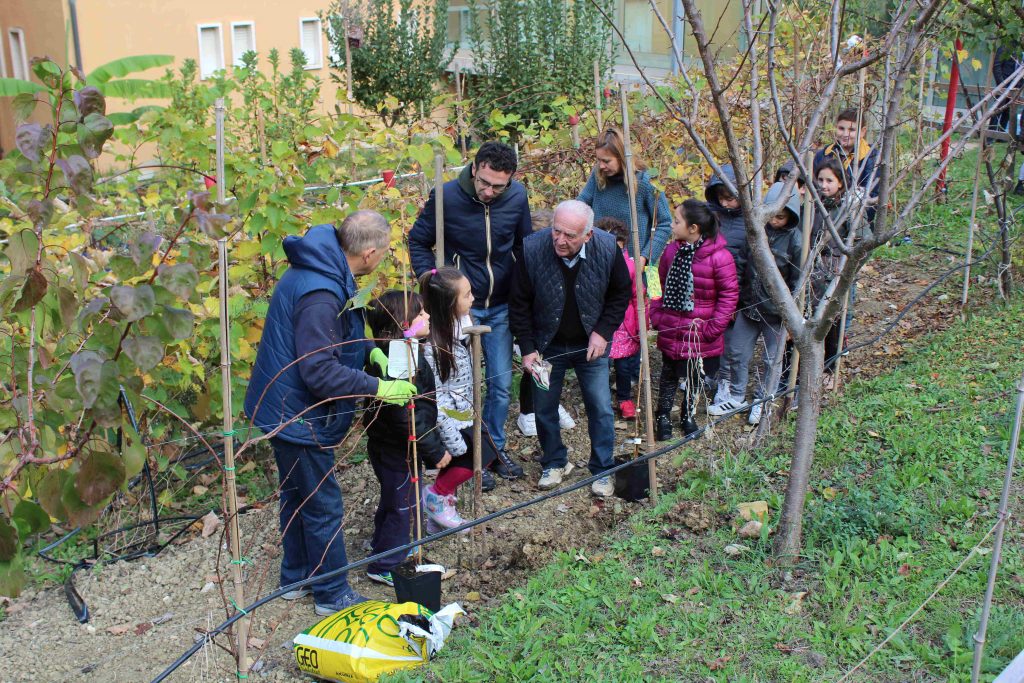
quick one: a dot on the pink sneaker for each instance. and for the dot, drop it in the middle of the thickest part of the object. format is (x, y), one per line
(441, 509)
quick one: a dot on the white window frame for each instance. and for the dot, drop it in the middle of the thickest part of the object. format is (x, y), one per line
(3, 60)
(220, 46)
(236, 57)
(17, 59)
(464, 18)
(320, 45)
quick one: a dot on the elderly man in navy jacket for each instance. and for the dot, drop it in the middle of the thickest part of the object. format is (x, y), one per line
(305, 382)
(486, 219)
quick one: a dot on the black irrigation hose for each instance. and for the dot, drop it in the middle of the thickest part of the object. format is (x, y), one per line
(209, 635)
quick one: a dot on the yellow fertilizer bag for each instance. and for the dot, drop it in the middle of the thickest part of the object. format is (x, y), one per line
(362, 642)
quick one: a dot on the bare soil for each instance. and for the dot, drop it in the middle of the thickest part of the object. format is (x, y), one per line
(146, 612)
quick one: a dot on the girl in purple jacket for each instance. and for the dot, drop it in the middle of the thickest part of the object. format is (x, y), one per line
(699, 295)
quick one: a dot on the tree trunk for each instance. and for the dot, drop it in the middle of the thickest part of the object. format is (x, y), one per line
(788, 536)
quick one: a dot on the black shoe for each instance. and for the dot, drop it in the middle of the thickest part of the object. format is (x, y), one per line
(1019, 189)
(689, 426)
(507, 468)
(487, 482)
(663, 428)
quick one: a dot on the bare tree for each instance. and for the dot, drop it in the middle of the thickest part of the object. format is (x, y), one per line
(747, 118)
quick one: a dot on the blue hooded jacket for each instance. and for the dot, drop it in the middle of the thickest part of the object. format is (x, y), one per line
(306, 314)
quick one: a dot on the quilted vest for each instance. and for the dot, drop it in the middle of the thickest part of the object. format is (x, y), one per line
(544, 271)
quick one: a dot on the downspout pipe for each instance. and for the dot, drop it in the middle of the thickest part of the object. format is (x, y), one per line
(73, 13)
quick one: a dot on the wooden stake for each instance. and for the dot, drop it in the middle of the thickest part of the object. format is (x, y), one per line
(597, 97)
(229, 426)
(645, 360)
(412, 440)
(974, 196)
(460, 121)
(349, 98)
(439, 211)
(474, 332)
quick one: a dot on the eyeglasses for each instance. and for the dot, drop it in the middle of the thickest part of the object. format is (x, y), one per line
(496, 189)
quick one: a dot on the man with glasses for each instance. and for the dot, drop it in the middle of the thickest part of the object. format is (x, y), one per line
(569, 296)
(486, 218)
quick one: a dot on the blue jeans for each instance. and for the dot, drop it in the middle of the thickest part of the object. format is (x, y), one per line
(311, 537)
(497, 347)
(597, 399)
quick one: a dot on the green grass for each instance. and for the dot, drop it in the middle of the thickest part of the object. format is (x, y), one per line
(907, 479)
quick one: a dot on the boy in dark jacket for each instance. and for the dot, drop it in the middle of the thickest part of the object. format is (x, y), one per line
(758, 315)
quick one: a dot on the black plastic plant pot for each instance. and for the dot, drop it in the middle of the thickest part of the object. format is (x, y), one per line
(421, 587)
(632, 483)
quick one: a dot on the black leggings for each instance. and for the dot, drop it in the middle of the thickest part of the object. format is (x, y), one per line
(526, 394)
(672, 370)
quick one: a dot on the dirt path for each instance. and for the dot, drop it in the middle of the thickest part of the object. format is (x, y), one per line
(147, 612)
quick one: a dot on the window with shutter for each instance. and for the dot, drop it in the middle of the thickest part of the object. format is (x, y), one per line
(211, 50)
(19, 56)
(311, 42)
(243, 39)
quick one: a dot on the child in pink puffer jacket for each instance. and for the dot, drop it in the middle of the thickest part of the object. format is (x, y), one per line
(625, 346)
(699, 294)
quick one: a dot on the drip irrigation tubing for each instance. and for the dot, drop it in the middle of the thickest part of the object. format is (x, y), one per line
(209, 635)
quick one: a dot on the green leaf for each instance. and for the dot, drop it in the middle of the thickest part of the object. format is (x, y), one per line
(68, 305)
(124, 118)
(80, 270)
(146, 352)
(87, 367)
(33, 515)
(30, 139)
(40, 212)
(22, 251)
(8, 419)
(9, 87)
(77, 173)
(180, 279)
(134, 303)
(176, 323)
(49, 492)
(23, 105)
(143, 248)
(137, 89)
(362, 297)
(12, 577)
(463, 415)
(47, 72)
(120, 68)
(8, 540)
(133, 451)
(93, 132)
(100, 474)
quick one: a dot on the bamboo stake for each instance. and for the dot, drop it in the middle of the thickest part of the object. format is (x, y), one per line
(983, 135)
(229, 427)
(439, 211)
(997, 544)
(597, 97)
(413, 439)
(474, 331)
(805, 250)
(645, 359)
(460, 121)
(349, 98)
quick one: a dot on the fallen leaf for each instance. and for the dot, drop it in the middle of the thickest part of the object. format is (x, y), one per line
(734, 549)
(637, 583)
(796, 603)
(142, 628)
(119, 630)
(719, 663)
(257, 643)
(562, 507)
(210, 523)
(213, 578)
(658, 551)
(580, 557)
(449, 574)
(473, 596)
(693, 591)
(668, 597)
(751, 529)
(828, 493)
(904, 570)
(199, 489)
(757, 509)
(247, 467)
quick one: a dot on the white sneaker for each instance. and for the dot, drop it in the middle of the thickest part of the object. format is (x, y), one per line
(603, 487)
(527, 423)
(730, 405)
(755, 414)
(565, 420)
(552, 476)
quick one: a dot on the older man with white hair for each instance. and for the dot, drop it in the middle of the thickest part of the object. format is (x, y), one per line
(569, 295)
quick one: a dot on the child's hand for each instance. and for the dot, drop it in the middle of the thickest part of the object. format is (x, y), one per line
(443, 462)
